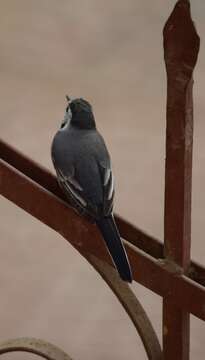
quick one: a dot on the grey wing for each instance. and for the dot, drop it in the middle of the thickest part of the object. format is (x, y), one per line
(93, 194)
(108, 188)
(81, 194)
(63, 162)
(71, 187)
(107, 177)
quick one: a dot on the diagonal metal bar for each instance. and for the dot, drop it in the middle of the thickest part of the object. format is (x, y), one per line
(135, 236)
(123, 292)
(181, 47)
(148, 271)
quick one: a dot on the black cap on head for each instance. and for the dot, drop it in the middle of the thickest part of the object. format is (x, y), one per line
(82, 114)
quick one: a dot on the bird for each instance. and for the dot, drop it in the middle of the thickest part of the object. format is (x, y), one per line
(83, 167)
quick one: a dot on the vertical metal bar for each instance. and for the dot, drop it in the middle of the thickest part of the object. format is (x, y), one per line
(181, 46)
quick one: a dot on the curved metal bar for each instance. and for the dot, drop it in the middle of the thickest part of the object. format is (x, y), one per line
(34, 346)
(131, 305)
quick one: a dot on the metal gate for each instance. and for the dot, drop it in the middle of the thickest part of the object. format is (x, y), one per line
(165, 269)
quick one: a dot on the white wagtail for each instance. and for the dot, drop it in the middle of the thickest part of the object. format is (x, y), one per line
(83, 168)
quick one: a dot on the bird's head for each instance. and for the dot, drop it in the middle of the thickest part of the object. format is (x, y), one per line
(79, 114)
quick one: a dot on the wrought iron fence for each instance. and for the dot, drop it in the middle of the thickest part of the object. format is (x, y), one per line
(165, 269)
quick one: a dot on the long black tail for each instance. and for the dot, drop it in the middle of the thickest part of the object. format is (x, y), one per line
(115, 246)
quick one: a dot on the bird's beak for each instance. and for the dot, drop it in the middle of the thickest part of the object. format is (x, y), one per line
(63, 123)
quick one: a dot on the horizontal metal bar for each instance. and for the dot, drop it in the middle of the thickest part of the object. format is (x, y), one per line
(131, 233)
(148, 271)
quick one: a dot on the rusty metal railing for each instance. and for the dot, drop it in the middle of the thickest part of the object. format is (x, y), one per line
(167, 270)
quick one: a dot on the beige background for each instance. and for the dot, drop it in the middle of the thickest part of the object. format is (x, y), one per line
(109, 52)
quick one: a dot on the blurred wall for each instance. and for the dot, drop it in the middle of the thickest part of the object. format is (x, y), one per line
(110, 53)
